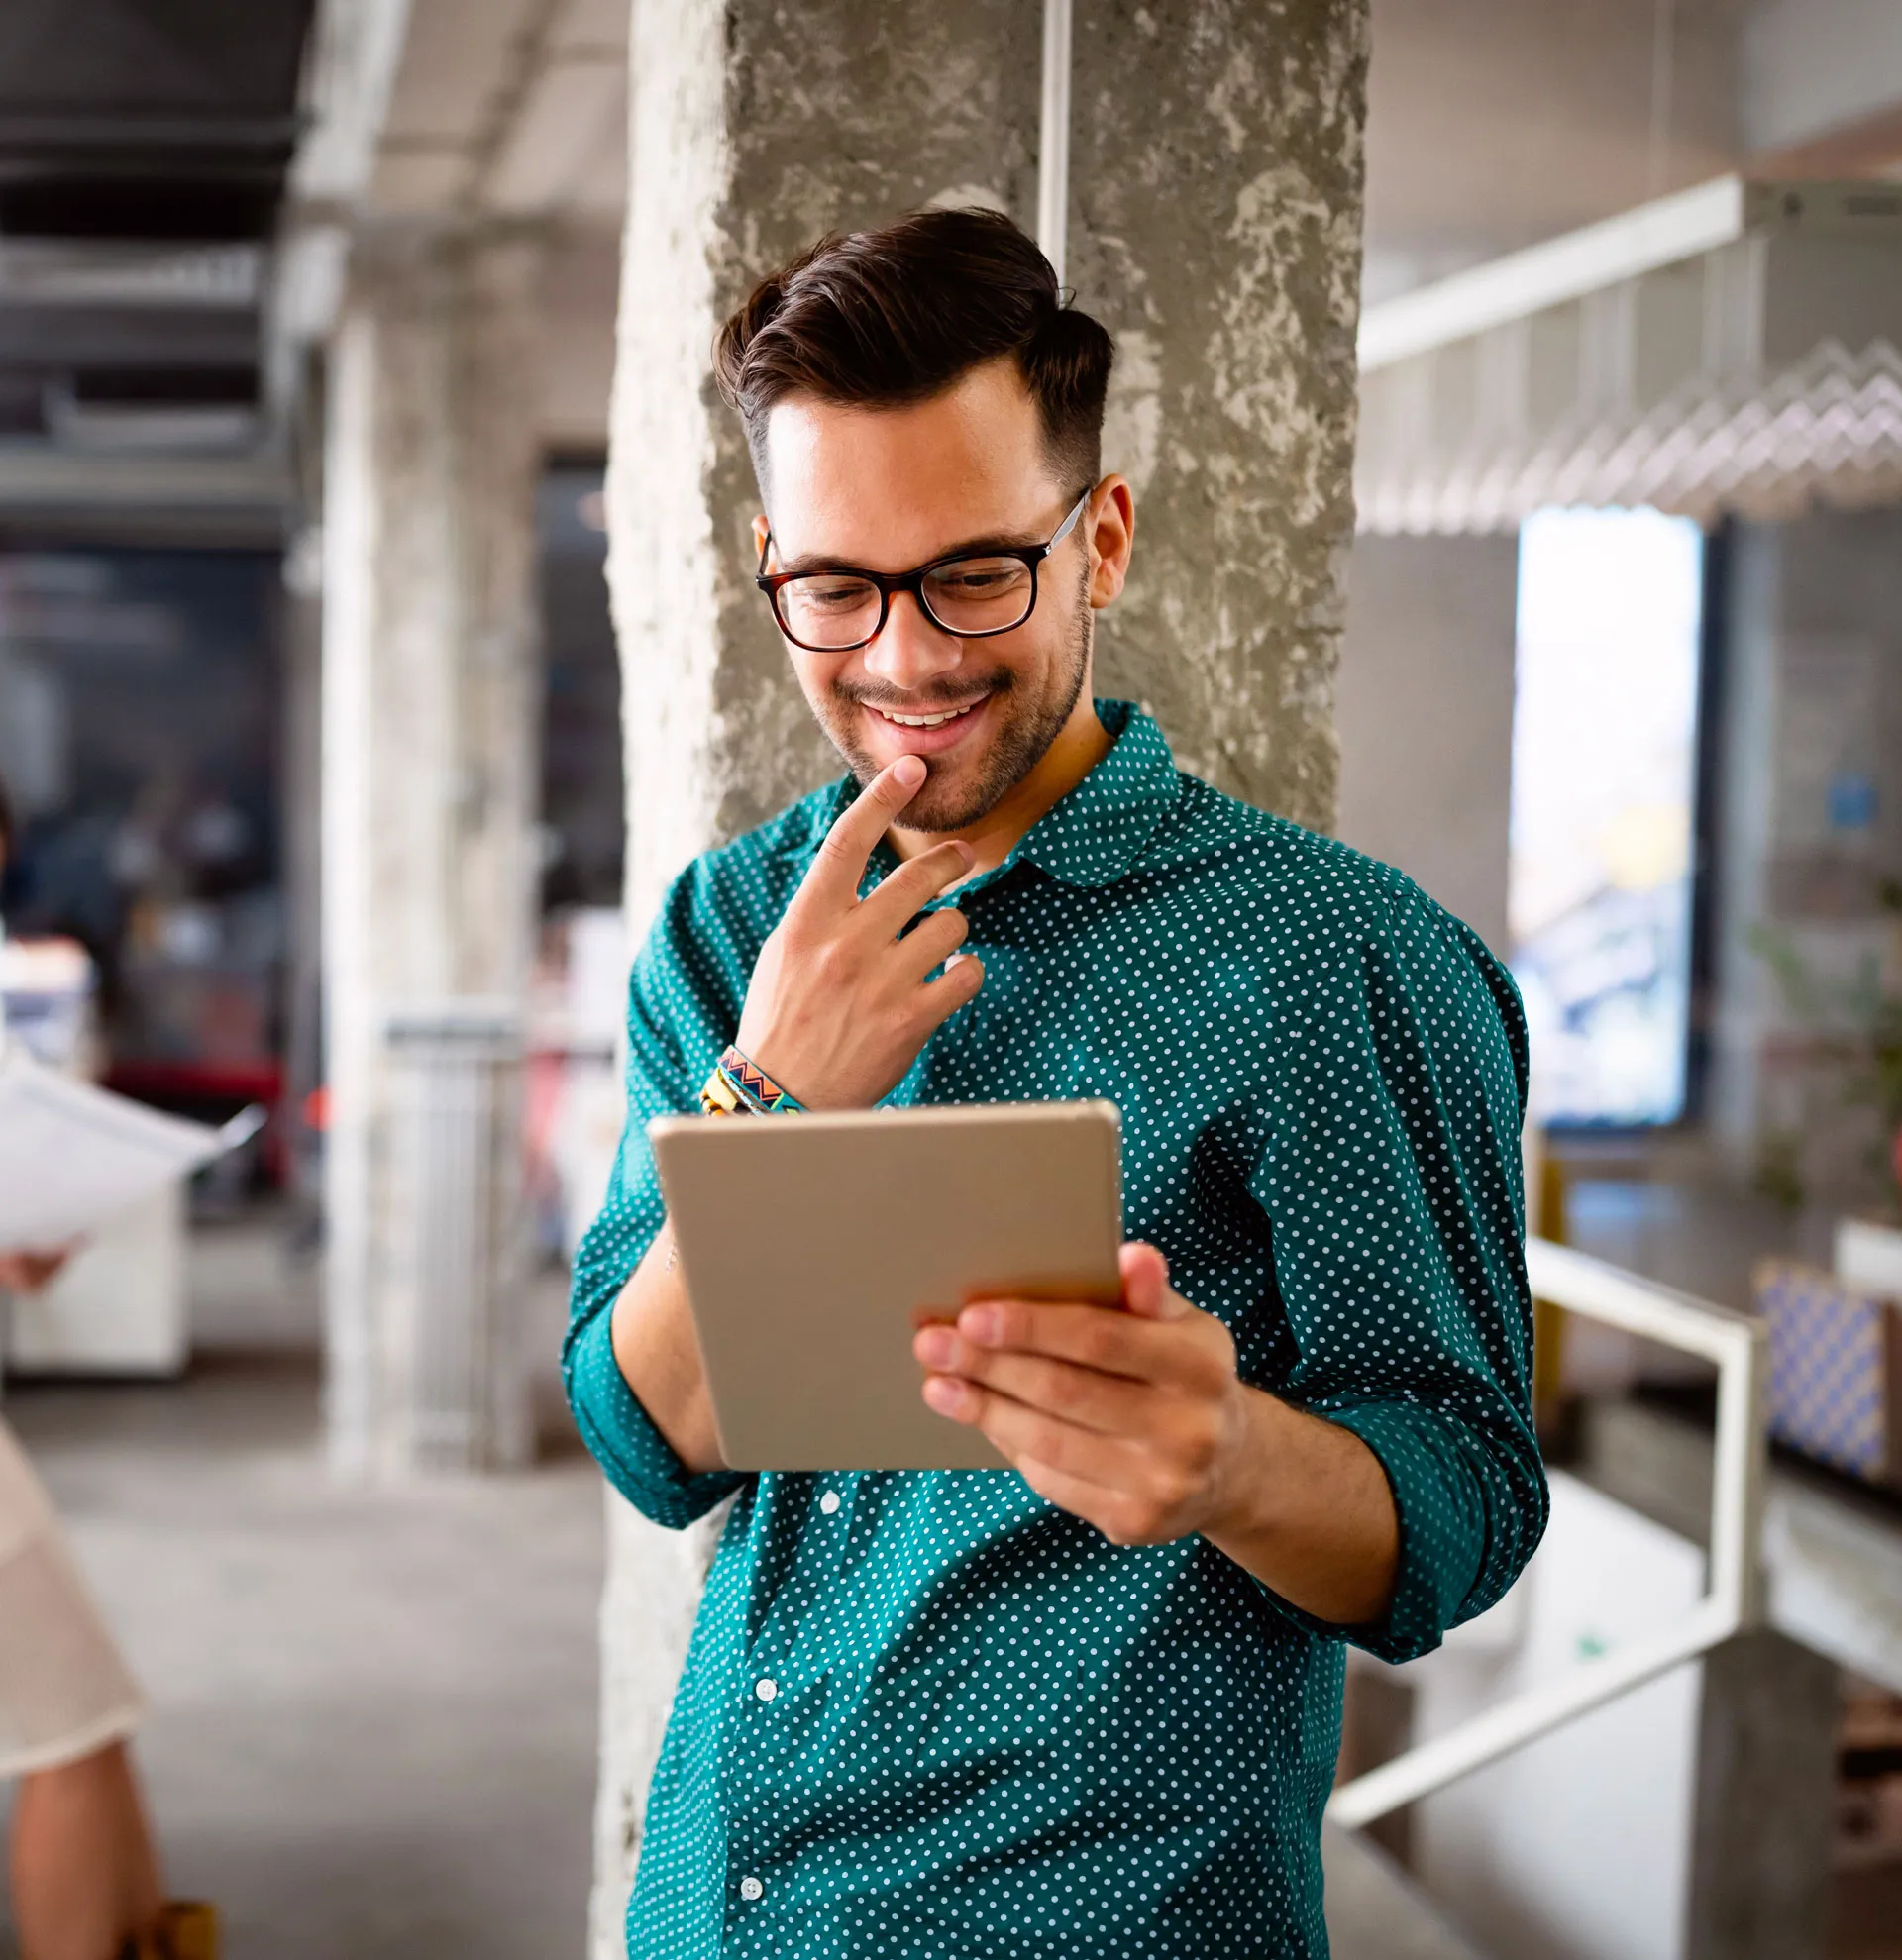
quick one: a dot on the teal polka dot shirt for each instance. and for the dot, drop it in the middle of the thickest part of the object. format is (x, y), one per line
(930, 1714)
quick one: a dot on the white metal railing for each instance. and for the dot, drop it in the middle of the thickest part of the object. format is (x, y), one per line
(1731, 1601)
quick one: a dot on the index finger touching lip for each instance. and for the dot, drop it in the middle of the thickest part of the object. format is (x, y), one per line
(848, 845)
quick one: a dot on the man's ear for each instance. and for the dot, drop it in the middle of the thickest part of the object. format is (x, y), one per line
(1110, 533)
(762, 530)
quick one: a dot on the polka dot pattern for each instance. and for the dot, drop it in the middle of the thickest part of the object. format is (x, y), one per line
(989, 1733)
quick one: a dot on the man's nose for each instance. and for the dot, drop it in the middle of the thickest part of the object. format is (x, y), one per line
(913, 648)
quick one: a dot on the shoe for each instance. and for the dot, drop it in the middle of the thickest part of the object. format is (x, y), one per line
(188, 1930)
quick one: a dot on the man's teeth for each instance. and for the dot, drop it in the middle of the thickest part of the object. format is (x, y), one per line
(926, 721)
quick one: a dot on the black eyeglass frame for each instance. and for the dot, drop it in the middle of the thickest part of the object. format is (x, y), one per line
(889, 582)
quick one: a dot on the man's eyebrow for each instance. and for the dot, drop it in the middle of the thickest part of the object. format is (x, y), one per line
(992, 541)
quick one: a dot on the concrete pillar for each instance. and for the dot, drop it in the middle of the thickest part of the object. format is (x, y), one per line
(1214, 229)
(429, 849)
(1231, 269)
(1425, 713)
(1765, 1815)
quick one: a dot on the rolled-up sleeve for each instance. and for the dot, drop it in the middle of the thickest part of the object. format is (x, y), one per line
(675, 1017)
(1393, 1190)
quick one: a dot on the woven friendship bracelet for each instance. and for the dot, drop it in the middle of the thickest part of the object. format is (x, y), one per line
(754, 1087)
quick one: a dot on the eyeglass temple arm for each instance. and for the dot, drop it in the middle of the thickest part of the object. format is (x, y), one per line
(1069, 524)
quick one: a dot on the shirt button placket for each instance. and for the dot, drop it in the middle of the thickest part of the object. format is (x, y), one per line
(829, 1535)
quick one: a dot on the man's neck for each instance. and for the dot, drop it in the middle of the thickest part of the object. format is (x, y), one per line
(1081, 744)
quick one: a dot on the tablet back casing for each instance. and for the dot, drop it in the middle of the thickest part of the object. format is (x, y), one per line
(812, 1245)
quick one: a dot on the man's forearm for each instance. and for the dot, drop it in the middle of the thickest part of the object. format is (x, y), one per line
(660, 1358)
(1311, 1514)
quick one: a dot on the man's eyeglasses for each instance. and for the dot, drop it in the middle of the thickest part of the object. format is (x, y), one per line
(971, 595)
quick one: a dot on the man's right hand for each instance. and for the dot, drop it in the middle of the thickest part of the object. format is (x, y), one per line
(839, 1005)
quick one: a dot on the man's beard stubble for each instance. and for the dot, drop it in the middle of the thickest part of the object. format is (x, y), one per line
(1028, 727)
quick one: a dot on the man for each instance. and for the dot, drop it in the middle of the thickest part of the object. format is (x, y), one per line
(1092, 1706)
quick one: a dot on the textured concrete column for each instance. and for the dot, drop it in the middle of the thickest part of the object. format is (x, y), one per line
(1767, 1722)
(429, 786)
(1214, 229)
(1228, 261)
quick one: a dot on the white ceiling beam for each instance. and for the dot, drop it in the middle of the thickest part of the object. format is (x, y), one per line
(1563, 269)
(350, 75)
(461, 66)
(571, 121)
(593, 27)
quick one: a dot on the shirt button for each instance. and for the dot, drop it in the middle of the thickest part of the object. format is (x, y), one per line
(765, 1690)
(830, 1503)
(751, 1889)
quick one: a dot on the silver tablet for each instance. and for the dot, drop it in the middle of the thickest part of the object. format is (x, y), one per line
(812, 1246)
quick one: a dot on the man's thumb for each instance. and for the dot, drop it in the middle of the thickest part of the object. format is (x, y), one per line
(1145, 1282)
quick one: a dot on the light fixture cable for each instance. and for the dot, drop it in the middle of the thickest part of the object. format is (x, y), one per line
(1053, 136)
(1658, 159)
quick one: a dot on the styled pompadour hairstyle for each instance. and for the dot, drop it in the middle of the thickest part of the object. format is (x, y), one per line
(884, 318)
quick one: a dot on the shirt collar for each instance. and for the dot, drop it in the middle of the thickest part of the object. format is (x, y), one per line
(1095, 834)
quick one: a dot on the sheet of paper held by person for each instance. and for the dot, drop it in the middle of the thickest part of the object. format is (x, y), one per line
(72, 1157)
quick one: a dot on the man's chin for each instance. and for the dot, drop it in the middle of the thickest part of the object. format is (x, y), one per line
(954, 795)
(941, 807)
(959, 788)
(969, 773)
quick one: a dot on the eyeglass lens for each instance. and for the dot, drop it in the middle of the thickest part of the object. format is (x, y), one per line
(969, 596)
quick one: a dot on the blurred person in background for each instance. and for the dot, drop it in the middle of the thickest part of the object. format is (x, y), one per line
(85, 1878)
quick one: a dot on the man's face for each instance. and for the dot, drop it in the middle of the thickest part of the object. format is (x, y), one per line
(890, 489)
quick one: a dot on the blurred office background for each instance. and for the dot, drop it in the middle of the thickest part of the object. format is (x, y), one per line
(1620, 683)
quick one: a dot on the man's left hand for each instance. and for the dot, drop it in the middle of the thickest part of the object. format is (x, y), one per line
(1135, 1420)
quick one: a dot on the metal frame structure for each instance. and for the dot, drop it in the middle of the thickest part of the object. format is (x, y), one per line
(1733, 1600)
(1616, 250)
(1661, 233)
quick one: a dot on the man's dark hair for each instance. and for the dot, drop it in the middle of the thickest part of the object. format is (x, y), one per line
(886, 318)
(9, 827)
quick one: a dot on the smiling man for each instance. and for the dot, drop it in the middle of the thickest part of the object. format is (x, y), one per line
(1089, 1706)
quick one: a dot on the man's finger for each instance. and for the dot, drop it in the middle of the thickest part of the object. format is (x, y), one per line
(955, 988)
(931, 942)
(906, 893)
(1110, 1405)
(1027, 1432)
(1097, 1337)
(1145, 1284)
(841, 859)
(1076, 1494)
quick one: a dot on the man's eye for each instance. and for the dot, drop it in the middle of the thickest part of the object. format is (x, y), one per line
(832, 594)
(980, 580)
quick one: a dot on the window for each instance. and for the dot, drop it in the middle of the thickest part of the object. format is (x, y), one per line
(1604, 776)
